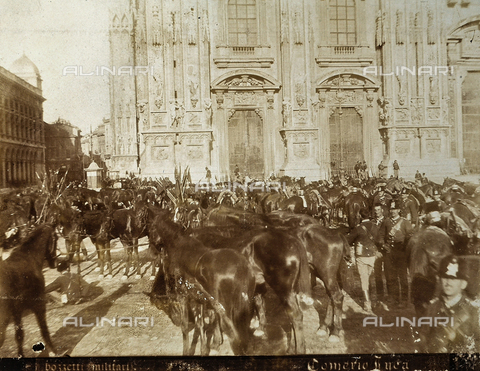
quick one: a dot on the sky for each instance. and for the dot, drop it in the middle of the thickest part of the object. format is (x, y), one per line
(55, 34)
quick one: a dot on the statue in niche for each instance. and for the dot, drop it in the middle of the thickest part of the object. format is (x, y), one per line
(193, 87)
(207, 105)
(286, 111)
(142, 113)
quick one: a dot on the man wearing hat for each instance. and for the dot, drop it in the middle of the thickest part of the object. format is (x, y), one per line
(363, 238)
(409, 207)
(461, 334)
(396, 233)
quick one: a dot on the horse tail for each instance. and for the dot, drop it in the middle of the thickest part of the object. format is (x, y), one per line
(304, 285)
(347, 251)
(242, 309)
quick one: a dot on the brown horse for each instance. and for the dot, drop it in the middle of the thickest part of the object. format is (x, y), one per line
(222, 280)
(279, 260)
(326, 248)
(426, 248)
(22, 285)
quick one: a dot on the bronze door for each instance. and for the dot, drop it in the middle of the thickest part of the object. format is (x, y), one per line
(245, 141)
(346, 140)
(471, 122)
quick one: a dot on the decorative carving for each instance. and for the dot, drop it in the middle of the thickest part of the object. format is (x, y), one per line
(297, 28)
(248, 98)
(433, 95)
(207, 105)
(177, 110)
(402, 114)
(286, 112)
(379, 29)
(301, 150)
(370, 98)
(359, 110)
(431, 28)
(315, 109)
(195, 152)
(159, 91)
(300, 117)
(299, 94)
(193, 87)
(322, 98)
(142, 113)
(402, 147)
(230, 113)
(433, 145)
(244, 80)
(433, 113)
(385, 111)
(417, 111)
(400, 28)
(220, 99)
(401, 89)
(156, 27)
(270, 99)
(159, 153)
(331, 111)
(191, 27)
(259, 113)
(345, 79)
(206, 25)
(284, 27)
(445, 109)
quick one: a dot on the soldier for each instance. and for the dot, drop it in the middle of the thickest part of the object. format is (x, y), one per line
(396, 233)
(363, 238)
(409, 207)
(378, 268)
(461, 334)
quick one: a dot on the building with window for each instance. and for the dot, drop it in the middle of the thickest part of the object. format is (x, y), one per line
(22, 141)
(64, 156)
(301, 88)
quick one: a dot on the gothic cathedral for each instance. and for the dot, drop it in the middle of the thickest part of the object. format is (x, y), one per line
(294, 87)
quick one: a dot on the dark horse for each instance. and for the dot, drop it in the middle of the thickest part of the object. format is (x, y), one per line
(326, 248)
(223, 278)
(22, 285)
(128, 225)
(426, 248)
(279, 260)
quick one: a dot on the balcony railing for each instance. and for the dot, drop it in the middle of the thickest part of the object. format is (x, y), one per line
(343, 49)
(243, 50)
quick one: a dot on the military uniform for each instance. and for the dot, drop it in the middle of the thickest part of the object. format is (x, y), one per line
(363, 238)
(462, 332)
(397, 233)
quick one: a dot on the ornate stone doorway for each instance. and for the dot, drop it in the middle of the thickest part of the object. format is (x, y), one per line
(346, 140)
(245, 143)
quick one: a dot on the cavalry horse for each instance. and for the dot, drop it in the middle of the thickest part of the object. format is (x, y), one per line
(279, 260)
(221, 280)
(128, 225)
(22, 285)
(426, 248)
(326, 248)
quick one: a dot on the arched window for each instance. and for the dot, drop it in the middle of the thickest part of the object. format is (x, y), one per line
(242, 23)
(342, 22)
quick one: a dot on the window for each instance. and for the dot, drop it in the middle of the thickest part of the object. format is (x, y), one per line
(242, 22)
(342, 22)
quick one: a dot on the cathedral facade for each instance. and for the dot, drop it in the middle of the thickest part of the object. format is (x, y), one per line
(294, 87)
